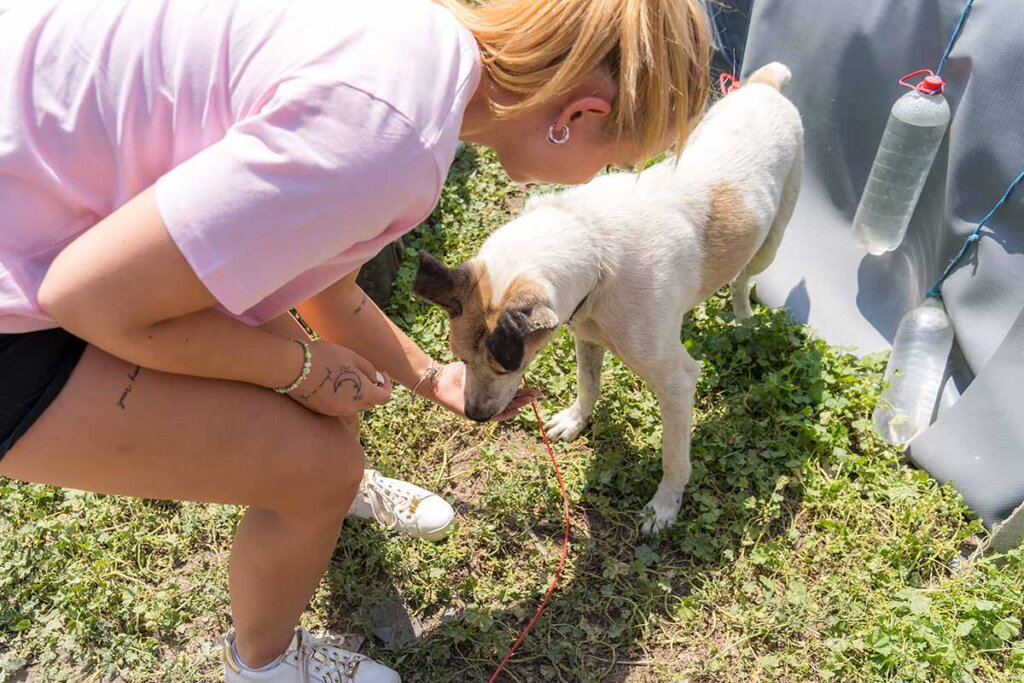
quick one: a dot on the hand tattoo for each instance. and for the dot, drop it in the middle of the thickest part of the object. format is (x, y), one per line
(345, 374)
(311, 394)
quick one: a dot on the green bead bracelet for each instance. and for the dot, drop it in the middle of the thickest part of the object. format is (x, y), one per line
(307, 365)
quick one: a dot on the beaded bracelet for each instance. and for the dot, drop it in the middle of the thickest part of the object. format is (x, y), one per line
(429, 374)
(307, 365)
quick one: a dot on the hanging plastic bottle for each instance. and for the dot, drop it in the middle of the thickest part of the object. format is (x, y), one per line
(917, 124)
(914, 374)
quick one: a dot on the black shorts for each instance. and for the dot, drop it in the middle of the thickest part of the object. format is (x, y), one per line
(34, 367)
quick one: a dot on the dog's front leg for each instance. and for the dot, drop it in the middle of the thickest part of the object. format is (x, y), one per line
(675, 386)
(567, 425)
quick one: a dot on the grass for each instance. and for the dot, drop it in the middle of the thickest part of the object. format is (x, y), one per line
(805, 550)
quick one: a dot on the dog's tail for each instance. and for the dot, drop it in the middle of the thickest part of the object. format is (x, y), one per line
(775, 74)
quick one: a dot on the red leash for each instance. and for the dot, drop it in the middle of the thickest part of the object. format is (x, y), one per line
(561, 560)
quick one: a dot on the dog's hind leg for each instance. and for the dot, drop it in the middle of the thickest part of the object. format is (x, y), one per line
(567, 425)
(740, 287)
(674, 380)
(740, 291)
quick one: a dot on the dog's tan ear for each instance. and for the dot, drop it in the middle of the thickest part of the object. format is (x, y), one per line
(515, 326)
(437, 283)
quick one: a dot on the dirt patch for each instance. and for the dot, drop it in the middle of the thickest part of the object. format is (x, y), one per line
(467, 477)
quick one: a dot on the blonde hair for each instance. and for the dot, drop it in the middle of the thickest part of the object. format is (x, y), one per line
(657, 51)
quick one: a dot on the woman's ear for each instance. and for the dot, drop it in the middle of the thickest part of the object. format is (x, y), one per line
(593, 97)
(577, 108)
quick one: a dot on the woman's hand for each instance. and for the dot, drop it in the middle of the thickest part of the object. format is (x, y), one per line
(446, 390)
(341, 382)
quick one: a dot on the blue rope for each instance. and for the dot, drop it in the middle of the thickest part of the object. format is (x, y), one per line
(934, 291)
(956, 34)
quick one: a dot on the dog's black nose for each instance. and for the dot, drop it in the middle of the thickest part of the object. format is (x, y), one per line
(477, 416)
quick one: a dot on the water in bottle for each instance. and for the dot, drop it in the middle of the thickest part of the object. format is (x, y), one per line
(917, 123)
(914, 374)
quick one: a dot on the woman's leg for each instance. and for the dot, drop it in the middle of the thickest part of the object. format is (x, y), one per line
(119, 430)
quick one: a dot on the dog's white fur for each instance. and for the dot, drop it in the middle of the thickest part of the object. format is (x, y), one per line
(634, 246)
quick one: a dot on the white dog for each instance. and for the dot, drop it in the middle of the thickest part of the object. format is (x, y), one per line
(621, 260)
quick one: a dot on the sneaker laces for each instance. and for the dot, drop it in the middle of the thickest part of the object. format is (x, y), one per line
(326, 657)
(389, 504)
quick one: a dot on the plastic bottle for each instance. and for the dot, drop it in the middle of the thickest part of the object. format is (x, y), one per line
(917, 124)
(914, 374)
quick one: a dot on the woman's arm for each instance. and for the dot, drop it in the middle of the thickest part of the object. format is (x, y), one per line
(124, 287)
(345, 315)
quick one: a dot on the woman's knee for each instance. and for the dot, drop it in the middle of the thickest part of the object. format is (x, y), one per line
(329, 467)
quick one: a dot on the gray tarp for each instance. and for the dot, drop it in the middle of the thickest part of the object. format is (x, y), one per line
(846, 58)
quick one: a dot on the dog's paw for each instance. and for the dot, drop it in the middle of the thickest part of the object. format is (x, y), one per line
(662, 511)
(567, 425)
(742, 309)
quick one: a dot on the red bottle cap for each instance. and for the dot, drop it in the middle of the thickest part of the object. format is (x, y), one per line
(931, 85)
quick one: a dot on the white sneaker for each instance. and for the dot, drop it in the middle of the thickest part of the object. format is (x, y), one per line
(310, 659)
(403, 506)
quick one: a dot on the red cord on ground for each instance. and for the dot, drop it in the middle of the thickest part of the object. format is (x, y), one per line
(561, 560)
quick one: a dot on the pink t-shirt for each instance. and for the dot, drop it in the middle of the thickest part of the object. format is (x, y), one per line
(289, 140)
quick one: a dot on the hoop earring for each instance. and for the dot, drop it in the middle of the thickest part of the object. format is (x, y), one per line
(563, 135)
